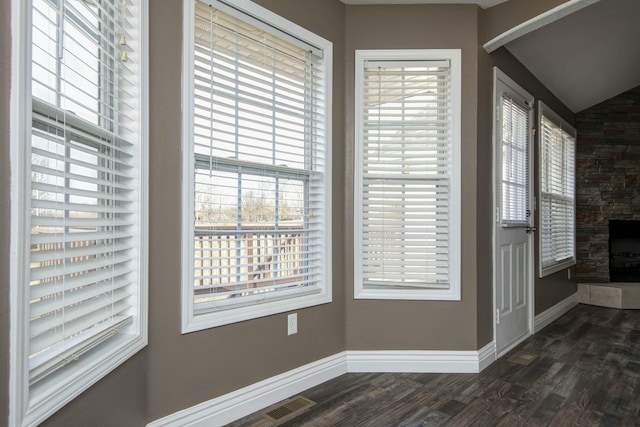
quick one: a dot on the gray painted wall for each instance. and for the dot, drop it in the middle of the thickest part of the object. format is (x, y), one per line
(417, 325)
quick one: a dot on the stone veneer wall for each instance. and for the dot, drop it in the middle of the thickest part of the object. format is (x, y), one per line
(607, 178)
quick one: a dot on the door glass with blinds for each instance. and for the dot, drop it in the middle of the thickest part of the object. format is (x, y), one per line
(514, 185)
(557, 192)
(258, 164)
(407, 175)
(86, 148)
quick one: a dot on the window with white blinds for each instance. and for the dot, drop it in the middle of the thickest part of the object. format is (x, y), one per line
(258, 165)
(84, 281)
(557, 192)
(514, 194)
(407, 184)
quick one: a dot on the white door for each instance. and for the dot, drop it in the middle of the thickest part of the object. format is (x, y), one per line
(513, 273)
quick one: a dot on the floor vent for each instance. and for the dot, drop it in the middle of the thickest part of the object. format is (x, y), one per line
(523, 358)
(288, 409)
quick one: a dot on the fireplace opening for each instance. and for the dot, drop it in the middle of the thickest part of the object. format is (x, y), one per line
(624, 251)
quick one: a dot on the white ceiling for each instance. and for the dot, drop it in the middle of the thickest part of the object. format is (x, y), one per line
(482, 3)
(588, 56)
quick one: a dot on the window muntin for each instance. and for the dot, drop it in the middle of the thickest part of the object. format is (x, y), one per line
(557, 192)
(258, 157)
(83, 311)
(71, 59)
(244, 250)
(407, 175)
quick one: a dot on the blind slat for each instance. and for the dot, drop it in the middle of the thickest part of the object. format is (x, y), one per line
(46, 289)
(76, 326)
(75, 296)
(90, 264)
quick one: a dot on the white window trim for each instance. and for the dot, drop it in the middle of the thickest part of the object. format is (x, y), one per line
(31, 407)
(190, 321)
(454, 291)
(551, 115)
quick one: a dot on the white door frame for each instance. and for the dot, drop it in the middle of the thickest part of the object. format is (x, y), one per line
(501, 76)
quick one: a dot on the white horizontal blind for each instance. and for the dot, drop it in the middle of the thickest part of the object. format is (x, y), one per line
(406, 161)
(557, 188)
(514, 194)
(84, 184)
(259, 158)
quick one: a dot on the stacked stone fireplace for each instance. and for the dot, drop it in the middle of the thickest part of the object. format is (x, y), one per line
(608, 202)
(607, 186)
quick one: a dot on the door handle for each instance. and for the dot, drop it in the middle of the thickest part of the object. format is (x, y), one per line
(531, 229)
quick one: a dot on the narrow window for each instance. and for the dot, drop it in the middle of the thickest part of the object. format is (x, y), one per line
(557, 192)
(514, 186)
(257, 165)
(407, 195)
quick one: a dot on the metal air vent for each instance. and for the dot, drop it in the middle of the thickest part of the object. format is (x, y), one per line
(288, 409)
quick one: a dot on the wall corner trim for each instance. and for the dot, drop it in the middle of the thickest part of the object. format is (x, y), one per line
(237, 404)
(548, 316)
(487, 355)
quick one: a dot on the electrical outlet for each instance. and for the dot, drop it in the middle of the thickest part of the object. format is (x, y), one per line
(292, 324)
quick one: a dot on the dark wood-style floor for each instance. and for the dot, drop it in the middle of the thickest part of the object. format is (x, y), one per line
(587, 373)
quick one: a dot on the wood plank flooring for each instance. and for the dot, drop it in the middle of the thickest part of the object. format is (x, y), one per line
(587, 373)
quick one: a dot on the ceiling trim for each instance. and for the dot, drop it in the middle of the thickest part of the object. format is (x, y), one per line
(536, 22)
(482, 3)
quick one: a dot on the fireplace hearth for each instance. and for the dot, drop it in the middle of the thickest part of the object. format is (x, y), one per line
(624, 251)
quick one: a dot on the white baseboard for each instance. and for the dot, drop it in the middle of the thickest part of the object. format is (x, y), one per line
(421, 360)
(237, 404)
(232, 406)
(548, 316)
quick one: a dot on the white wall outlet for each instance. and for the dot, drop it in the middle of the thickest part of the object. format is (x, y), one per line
(292, 324)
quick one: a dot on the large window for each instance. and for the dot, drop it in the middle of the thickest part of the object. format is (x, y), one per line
(557, 192)
(257, 165)
(79, 288)
(407, 174)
